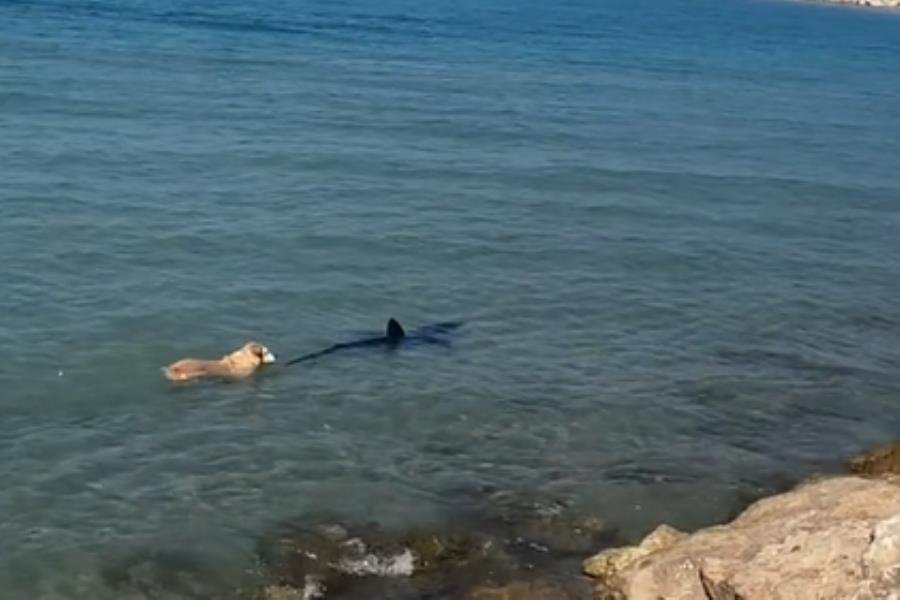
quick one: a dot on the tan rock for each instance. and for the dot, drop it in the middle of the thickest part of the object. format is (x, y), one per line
(881, 560)
(878, 461)
(608, 563)
(832, 539)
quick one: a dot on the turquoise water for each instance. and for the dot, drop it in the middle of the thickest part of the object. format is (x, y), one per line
(671, 229)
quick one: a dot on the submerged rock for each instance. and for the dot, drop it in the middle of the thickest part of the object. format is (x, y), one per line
(537, 589)
(504, 543)
(831, 539)
(544, 525)
(282, 592)
(881, 460)
(325, 557)
(436, 551)
(367, 562)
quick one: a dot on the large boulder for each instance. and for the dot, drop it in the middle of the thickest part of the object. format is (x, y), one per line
(830, 539)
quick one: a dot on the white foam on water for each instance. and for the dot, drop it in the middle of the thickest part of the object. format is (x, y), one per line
(398, 565)
(313, 588)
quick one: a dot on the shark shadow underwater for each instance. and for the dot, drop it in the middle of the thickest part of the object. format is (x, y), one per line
(394, 337)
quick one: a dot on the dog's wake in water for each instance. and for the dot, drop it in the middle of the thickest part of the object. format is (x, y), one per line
(394, 337)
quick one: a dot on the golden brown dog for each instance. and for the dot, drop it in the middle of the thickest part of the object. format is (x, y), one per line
(237, 365)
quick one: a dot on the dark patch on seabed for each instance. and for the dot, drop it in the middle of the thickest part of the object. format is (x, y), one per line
(512, 539)
(158, 574)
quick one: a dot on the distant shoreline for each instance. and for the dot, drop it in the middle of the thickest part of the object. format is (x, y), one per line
(891, 4)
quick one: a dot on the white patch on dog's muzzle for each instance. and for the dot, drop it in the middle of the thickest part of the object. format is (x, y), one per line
(268, 357)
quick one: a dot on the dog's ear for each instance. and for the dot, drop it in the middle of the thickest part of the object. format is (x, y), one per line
(256, 349)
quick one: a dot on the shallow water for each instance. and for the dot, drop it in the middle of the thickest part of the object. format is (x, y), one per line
(671, 229)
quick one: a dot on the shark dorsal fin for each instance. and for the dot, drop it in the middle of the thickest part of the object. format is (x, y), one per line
(394, 331)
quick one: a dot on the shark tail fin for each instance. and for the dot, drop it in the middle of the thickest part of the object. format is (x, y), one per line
(394, 331)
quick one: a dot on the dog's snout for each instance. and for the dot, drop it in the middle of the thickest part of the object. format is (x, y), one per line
(268, 356)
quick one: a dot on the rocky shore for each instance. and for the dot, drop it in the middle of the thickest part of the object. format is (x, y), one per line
(830, 538)
(834, 537)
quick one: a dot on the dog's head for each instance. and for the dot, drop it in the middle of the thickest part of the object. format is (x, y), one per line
(260, 353)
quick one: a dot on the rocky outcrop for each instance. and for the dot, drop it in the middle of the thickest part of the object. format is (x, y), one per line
(835, 538)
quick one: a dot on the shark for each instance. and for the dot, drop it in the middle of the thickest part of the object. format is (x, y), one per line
(394, 337)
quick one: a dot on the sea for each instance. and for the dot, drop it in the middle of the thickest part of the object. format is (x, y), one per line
(670, 228)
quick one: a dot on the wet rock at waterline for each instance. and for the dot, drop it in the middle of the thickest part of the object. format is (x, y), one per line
(607, 564)
(881, 460)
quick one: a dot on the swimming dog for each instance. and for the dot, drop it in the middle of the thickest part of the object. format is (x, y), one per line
(241, 363)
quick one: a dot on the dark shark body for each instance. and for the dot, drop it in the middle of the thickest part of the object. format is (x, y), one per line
(394, 336)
